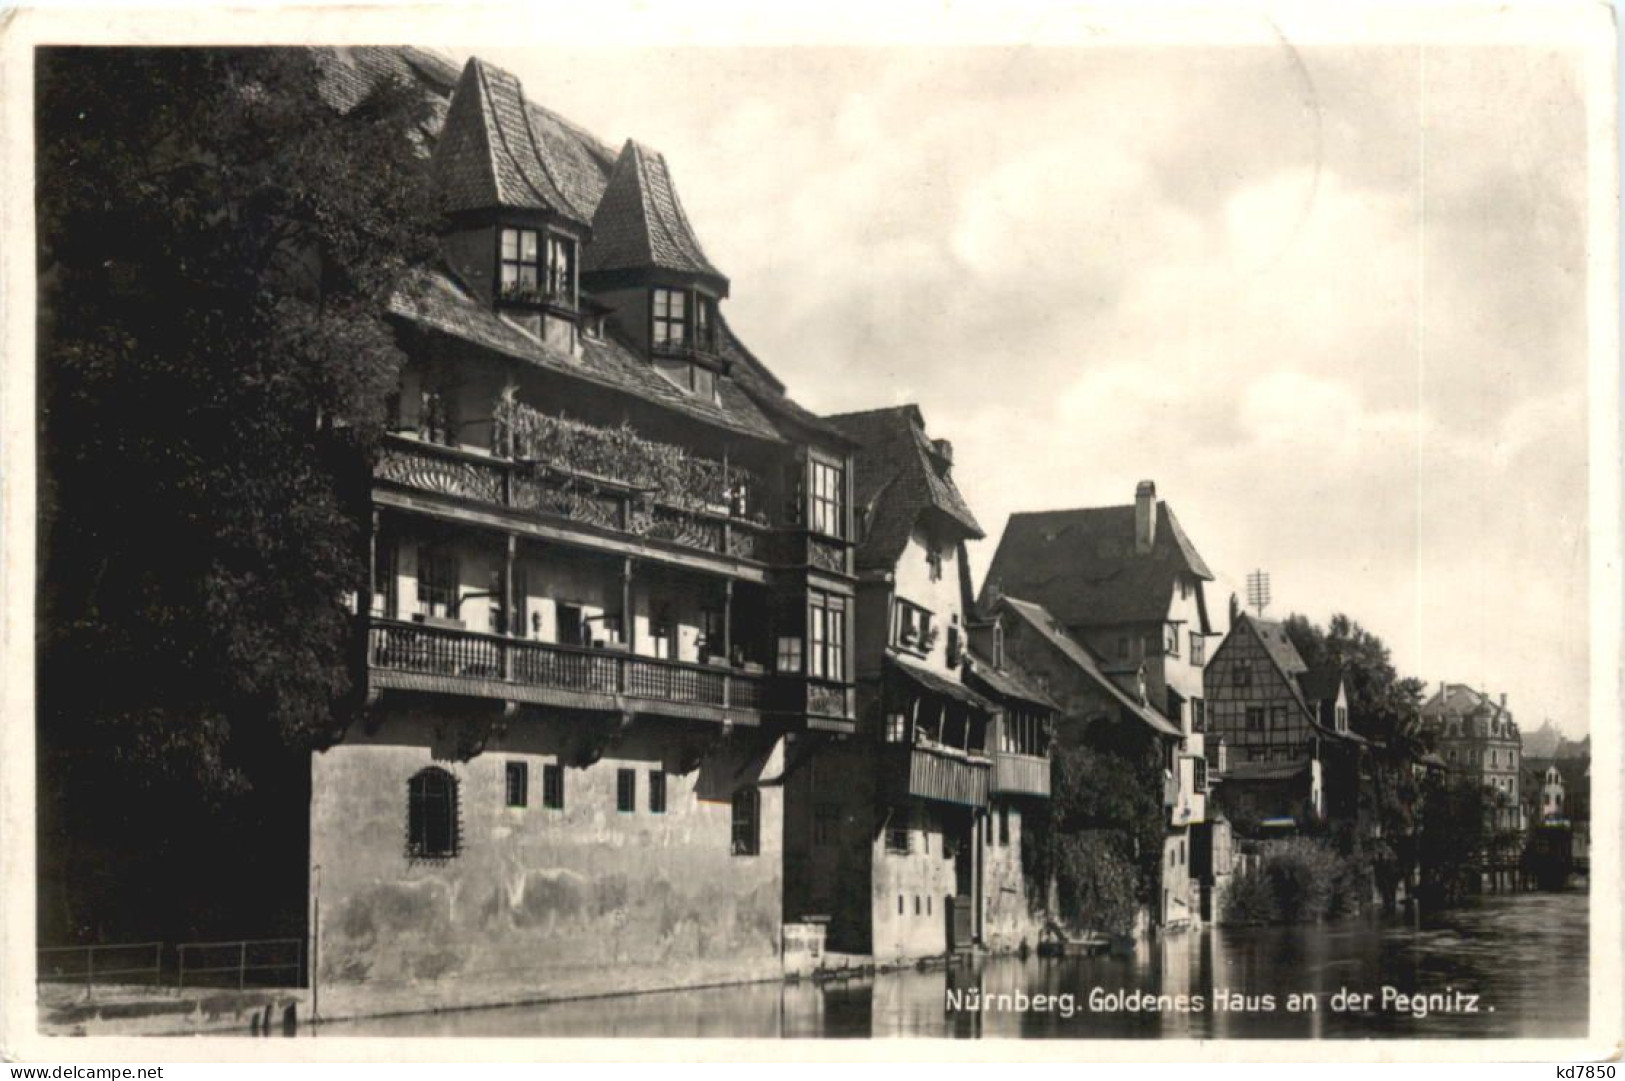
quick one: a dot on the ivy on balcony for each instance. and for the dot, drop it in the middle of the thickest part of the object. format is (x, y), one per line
(666, 471)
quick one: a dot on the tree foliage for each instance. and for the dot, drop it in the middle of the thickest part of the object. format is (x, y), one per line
(217, 243)
(1106, 813)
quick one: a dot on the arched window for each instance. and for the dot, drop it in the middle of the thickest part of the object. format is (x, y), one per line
(432, 828)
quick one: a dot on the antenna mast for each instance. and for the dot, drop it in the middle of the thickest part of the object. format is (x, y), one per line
(1258, 591)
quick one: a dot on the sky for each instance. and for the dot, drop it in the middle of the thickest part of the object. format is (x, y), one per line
(1330, 299)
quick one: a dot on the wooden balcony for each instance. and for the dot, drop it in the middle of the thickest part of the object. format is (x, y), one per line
(1020, 775)
(943, 774)
(593, 510)
(828, 706)
(441, 660)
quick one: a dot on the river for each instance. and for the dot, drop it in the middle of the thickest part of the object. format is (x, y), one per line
(1521, 957)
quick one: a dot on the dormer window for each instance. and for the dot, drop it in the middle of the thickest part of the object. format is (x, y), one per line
(683, 321)
(538, 267)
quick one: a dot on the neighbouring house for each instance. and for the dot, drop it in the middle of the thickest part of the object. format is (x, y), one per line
(1126, 582)
(1113, 714)
(884, 832)
(612, 581)
(1015, 901)
(1478, 739)
(1543, 794)
(1268, 707)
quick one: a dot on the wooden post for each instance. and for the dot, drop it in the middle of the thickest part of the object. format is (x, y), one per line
(372, 566)
(727, 640)
(508, 609)
(628, 624)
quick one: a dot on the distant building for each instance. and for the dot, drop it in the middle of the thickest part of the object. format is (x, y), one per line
(1268, 707)
(1478, 740)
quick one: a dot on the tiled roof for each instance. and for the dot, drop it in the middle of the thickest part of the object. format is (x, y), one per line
(1046, 625)
(1006, 683)
(640, 224)
(490, 155)
(766, 391)
(433, 300)
(1278, 644)
(936, 683)
(1321, 684)
(1084, 565)
(899, 476)
(1242, 772)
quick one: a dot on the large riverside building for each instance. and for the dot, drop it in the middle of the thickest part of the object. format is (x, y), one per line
(1478, 740)
(612, 575)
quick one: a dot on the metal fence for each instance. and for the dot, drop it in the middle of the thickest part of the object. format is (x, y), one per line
(240, 964)
(266, 962)
(135, 962)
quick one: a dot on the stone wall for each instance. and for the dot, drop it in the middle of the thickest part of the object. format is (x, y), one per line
(539, 903)
(1009, 918)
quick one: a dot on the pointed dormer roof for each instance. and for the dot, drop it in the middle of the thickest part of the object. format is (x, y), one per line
(640, 224)
(490, 156)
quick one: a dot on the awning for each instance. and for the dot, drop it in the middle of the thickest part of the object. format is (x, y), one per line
(932, 683)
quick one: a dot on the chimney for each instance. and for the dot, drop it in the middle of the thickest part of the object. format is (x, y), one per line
(1503, 701)
(1145, 517)
(944, 449)
(992, 593)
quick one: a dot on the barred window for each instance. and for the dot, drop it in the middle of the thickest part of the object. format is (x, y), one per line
(553, 787)
(432, 827)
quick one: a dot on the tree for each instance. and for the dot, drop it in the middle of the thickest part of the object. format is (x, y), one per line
(217, 246)
(1107, 822)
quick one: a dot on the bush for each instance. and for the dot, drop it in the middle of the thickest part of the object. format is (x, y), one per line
(1096, 878)
(1298, 881)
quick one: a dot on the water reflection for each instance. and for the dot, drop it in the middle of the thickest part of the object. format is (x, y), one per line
(1524, 956)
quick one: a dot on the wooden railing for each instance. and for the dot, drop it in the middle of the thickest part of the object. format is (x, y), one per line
(600, 502)
(495, 661)
(1020, 774)
(939, 773)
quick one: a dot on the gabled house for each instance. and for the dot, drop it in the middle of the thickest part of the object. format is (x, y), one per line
(612, 575)
(1267, 706)
(1127, 583)
(885, 835)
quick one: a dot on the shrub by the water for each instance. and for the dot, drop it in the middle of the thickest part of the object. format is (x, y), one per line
(1297, 881)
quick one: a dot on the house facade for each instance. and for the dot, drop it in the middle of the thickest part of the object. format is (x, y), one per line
(1478, 740)
(1127, 583)
(885, 830)
(612, 580)
(1105, 712)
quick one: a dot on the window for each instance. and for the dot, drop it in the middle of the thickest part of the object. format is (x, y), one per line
(561, 264)
(553, 787)
(1198, 650)
(1255, 718)
(572, 627)
(437, 584)
(518, 784)
(826, 658)
(933, 564)
(1277, 717)
(1198, 715)
(896, 728)
(826, 824)
(900, 904)
(917, 906)
(626, 790)
(670, 318)
(434, 417)
(657, 791)
(431, 817)
(660, 634)
(789, 655)
(1170, 639)
(1199, 765)
(899, 840)
(747, 822)
(1342, 718)
(1243, 674)
(705, 323)
(521, 264)
(828, 499)
(383, 580)
(912, 627)
(1004, 825)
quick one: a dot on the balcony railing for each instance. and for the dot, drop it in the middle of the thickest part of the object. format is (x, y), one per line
(1020, 774)
(557, 491)
(937, 773)
(491, 666)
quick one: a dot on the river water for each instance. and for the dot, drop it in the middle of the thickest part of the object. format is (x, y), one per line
(1523, 957)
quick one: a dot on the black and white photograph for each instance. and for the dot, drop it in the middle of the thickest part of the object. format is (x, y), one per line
(1101, 530)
